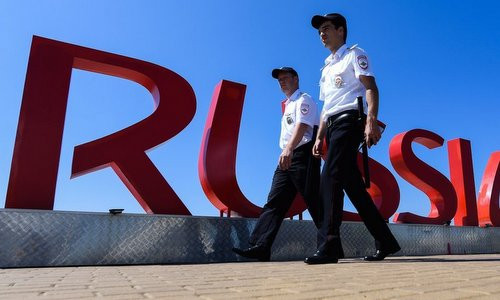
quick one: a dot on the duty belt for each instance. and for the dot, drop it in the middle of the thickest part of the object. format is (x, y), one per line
(353, 113)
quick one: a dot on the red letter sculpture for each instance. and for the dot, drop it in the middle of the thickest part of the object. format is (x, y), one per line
(217, 161)
(384, 190)
(41, 122)
(434, 184)
(462, 178)
(489, 193)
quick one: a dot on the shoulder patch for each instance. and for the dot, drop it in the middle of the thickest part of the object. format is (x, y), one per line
(362, 61)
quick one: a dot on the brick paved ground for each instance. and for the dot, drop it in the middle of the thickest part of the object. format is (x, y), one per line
(430, 277)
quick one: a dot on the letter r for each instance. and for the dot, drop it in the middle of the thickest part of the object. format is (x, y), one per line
(37, 148)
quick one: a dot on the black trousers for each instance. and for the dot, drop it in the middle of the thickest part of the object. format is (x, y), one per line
(302, 177)
(340, 173)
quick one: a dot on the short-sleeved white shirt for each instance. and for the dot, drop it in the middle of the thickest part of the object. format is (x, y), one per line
(299, 108)
(340, 84)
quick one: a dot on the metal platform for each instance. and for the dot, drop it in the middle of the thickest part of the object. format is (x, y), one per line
(32, 238)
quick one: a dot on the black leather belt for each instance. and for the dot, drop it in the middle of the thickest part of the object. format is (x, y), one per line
(353, 113)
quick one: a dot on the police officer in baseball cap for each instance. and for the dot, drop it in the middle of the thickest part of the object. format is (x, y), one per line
(297, 170)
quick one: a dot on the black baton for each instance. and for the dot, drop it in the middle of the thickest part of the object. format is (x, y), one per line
(364, 147)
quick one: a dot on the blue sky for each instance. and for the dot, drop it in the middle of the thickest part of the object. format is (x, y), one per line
(436, 64)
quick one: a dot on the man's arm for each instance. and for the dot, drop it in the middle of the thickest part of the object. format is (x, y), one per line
(318, 144)
(372, 131)
(285, 159)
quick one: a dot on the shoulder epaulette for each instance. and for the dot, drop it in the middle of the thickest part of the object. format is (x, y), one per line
(304, 95)
(353, 46)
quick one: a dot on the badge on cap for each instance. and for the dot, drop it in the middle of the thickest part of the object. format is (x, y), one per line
(362, 62)
(339, 81)
(304, 108)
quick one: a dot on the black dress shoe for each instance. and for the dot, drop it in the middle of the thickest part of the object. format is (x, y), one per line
(259, 252)
(321, 258)
(381, 254)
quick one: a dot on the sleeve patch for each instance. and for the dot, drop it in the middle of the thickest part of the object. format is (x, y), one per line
(362, 62)
(304, 108)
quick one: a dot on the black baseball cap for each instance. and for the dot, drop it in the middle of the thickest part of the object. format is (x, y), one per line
(290, 70)
(336, 18)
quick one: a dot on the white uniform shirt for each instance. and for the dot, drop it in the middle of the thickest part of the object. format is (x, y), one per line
(299, 108)
(340, 84)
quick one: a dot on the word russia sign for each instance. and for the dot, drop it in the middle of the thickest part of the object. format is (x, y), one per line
(37, 147)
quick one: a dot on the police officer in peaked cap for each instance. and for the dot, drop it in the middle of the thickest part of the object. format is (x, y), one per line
(347, 74)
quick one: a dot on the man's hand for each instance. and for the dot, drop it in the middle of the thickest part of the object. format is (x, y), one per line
(318, 148)
(285, 160)
(372, 132)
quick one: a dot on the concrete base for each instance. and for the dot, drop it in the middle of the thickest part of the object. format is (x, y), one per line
(31, 238)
